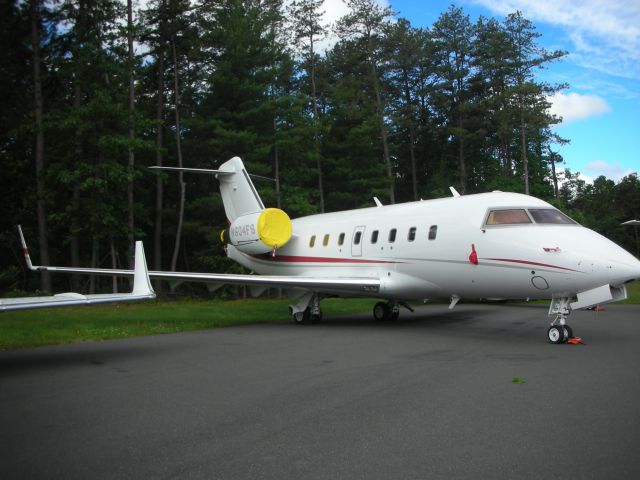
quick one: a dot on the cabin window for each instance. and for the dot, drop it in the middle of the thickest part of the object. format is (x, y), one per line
(508, 217)
(341, 239)
(356, 238)
(433, 231)
(312, 241)
(392, 235)
(549, 215)
(412, 234)
(374, 236)
(325, 240)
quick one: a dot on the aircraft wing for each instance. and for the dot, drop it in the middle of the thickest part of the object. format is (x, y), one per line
(142, 290)
(351, 285)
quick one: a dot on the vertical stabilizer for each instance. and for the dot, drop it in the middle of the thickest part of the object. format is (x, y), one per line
(239, 195)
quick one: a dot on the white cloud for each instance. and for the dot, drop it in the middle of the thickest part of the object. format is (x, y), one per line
(573, 106)
(605, 33)
(333, 11)
(613, 171)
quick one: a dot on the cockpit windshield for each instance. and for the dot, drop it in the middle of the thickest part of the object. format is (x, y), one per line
(507, 217)
(549, 215)
(519, 216)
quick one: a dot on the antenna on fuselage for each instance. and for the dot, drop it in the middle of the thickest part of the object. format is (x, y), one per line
(454, 192)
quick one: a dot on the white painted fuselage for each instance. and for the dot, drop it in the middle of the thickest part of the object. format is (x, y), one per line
(532, 260)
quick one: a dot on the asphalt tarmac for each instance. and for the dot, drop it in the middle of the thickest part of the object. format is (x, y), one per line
(472, 393)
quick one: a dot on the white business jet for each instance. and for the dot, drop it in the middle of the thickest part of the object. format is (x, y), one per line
(492, 245)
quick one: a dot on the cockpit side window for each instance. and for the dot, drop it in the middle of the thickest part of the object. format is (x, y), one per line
(549, 215)
(514, 216)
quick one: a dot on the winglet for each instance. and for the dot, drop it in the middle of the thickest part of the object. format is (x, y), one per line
(25, 250)
(141, 282)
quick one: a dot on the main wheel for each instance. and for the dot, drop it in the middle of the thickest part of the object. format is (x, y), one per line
(555, 334)
(381, 311)
(302, 318)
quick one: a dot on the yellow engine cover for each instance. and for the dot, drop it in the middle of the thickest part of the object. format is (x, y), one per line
(274, 227)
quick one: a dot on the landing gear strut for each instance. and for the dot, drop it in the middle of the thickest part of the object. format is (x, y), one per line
(386, 312)
(307, 310)
(559, 331)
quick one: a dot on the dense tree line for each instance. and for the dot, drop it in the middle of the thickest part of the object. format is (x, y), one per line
(390, 110)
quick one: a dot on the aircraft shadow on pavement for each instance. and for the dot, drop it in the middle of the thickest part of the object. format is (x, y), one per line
(59, 356)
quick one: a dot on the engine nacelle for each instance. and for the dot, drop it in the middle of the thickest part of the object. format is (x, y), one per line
(259, 232)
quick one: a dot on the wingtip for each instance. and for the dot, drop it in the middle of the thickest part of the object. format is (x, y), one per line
(141, 281)
(25, 250)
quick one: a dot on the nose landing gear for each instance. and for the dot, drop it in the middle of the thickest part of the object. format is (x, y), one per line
(559, 331)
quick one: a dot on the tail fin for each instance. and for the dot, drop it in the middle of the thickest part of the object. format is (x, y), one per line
(239, 195)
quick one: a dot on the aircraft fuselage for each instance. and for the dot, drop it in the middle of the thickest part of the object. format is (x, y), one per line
(444, 247)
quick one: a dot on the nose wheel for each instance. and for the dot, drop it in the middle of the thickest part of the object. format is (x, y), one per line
(559, 331)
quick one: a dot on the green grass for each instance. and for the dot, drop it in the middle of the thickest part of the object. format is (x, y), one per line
(633, 294)
(32, 328)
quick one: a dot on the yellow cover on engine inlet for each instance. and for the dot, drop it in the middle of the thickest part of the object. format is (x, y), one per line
(274, 227)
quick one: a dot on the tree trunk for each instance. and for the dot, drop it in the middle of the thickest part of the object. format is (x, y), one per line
(523, 144)
(43, 241)
(412, 135)
(276, 165)
(316, 122)
(75, 197)
(157, 233)
(94, 264)
(461, 160)
(130, 202)
(383, 131)
(176, 249)
(555, 178)
(114, 264)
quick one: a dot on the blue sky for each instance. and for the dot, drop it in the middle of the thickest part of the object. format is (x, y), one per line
(601, 107)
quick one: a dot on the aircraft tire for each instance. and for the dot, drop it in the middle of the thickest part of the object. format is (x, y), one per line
(381, 312)
(568, 332)
(302, 318)
(555, 334)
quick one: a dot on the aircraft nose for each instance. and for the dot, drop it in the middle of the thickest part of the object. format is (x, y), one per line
(626, 268)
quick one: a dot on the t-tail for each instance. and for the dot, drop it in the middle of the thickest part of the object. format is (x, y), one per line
(253, 229)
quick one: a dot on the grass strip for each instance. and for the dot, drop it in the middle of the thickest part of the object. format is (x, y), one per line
(33, 328)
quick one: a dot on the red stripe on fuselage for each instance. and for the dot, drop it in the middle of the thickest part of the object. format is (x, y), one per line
(525, 262)
(302, 259)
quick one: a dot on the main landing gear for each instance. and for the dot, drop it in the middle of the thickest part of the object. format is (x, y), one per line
(559, 331)
(307, 310)
(386, 311)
